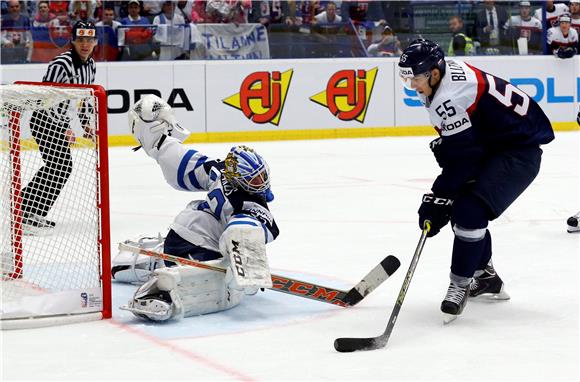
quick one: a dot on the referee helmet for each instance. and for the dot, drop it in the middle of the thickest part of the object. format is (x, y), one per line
(84, 29)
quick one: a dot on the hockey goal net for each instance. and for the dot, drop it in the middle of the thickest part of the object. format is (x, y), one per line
(54, 208)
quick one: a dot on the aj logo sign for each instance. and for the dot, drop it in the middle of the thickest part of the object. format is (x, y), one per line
(348, 93)
(262, 96)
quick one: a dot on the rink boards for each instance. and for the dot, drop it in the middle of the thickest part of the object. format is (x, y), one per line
(305, 99)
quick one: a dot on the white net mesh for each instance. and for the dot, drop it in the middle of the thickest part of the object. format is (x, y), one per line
(50, 256)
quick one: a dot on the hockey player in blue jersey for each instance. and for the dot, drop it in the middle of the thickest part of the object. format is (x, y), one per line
(489, 152)
(229, 228)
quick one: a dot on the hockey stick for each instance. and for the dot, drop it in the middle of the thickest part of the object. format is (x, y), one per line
(299, 288)
(345, 345)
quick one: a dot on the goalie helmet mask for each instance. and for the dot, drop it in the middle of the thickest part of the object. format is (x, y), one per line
(152, 116)
(247, 170)
(417, 61)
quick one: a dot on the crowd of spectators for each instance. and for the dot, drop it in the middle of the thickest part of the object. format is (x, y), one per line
(496, 31)
(35, 31)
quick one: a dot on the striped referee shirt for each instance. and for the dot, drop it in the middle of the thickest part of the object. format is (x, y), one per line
(68, 68)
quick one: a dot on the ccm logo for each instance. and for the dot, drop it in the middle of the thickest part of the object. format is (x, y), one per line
(427, 198)
(238, 259)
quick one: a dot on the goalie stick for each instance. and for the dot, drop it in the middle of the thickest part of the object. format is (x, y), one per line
(299, 288)
(346, 345)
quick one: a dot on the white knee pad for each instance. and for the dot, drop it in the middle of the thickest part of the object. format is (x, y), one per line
(129, 267)
(244, 244)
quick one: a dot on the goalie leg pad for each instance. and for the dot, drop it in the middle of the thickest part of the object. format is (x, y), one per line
(199, 291)
(245, 247)
(129, 267)
(187, 291)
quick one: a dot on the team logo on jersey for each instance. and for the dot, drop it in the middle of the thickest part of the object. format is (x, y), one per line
(262, 96)
(348, 93)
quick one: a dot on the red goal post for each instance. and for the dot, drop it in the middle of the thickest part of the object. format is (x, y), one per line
(54, 165)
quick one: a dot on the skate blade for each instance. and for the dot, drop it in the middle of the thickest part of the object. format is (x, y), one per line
(160, 315)
(573, 229)
(141, 311)
(449, 318)
(491, 297)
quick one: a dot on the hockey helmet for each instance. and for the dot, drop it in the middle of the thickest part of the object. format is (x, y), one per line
(565, 18)
(247, 170)
(84, 29)
(418, 59)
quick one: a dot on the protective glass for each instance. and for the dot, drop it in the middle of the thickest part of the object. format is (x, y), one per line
(411, 81)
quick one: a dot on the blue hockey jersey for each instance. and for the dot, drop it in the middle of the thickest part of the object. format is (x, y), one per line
(477, 114)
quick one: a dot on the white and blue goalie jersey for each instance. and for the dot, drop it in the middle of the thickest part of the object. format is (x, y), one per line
(202, 222)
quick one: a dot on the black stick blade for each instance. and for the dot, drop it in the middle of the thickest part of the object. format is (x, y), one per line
(372, 280)
(347, 345)
(390, 264)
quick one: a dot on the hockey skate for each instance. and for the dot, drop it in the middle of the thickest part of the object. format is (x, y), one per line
(573, 223)
(33, 224)
(153, 308)
(454, 301)
(488, 285)
(150, 303)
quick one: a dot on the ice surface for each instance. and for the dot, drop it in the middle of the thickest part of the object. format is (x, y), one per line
(342, 206)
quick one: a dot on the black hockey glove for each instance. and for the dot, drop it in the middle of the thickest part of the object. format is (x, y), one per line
(566, 52)
(437, 210)
(578, 118)
(435, 146)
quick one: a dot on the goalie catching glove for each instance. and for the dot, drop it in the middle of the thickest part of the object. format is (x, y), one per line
(151, 120)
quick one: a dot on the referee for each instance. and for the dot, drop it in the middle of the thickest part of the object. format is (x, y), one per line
(51, 129)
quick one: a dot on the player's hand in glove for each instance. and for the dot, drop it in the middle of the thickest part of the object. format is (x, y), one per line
(566, 52)
(435, 146)
(437, 211)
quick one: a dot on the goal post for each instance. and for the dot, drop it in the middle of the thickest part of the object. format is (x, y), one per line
(54, 205)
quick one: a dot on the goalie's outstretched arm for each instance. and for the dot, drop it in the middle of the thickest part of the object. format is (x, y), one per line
(153, 124)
